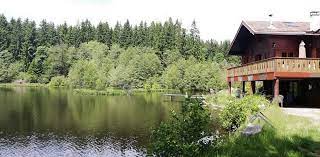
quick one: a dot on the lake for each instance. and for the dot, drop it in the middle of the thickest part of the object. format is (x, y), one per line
(57, 122)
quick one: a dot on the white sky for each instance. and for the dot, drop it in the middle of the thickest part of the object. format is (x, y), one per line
(217, 19)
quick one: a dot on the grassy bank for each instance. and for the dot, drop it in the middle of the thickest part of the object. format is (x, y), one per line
(291, 136)
(23, 85)
(108, 91)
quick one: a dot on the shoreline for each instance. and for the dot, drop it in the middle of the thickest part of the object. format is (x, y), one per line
(85, 91)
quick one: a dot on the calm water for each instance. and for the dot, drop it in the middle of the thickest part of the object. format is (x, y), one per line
(52, 122)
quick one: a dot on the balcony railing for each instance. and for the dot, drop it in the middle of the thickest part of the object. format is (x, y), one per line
(308, 65)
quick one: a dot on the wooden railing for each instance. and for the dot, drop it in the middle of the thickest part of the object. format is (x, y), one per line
(311, 65)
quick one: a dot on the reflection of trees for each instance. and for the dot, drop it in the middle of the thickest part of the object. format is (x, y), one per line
(61, 110)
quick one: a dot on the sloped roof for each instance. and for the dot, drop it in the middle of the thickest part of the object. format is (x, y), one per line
(277, 27)
(248, 29)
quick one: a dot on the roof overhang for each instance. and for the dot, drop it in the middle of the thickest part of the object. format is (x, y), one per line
(245, 33)
(241, 39)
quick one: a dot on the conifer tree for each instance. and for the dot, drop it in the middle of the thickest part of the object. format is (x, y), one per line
(29, 43)
(62, 31)
(4, 33)
(87, 31)
(15, 38)
(126, 35)
(116, 33)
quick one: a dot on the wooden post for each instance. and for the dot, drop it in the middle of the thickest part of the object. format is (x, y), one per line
(276, 87)
(253, 87)
(229, 85)
(243, 87)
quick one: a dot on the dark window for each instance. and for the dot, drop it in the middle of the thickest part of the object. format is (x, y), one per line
(258, 57)
(290, 54)
(284, 54)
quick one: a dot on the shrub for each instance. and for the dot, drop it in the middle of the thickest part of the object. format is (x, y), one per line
(25, 76)
(58, 81)
(84, 74)
(180, 135)
(236, 111)
(100, 85)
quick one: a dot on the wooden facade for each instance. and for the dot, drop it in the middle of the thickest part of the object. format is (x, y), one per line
(272, 56)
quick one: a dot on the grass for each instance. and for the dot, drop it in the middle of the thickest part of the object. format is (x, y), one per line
(112, 91)
(83, 91)
(100, 92)
(22, 85)
(292, 136)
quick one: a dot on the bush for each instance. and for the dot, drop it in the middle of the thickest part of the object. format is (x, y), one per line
(236, 111)
(180, 135)
(151, 85)
(58, 81)
(84, 74)
(25, 76)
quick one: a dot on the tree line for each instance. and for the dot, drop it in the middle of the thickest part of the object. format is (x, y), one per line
(38, 53)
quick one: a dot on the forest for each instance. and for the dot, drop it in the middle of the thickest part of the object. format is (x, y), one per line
(147, 55)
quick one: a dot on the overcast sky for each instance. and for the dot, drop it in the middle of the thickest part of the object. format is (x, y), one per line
(217, 19)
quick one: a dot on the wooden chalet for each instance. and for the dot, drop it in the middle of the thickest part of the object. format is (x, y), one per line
(285, 56)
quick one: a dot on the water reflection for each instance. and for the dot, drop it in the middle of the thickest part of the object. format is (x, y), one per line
(52, 122)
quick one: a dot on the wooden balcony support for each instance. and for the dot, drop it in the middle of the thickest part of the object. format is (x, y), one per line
(276, 85)
(243, 87)
(253, 87)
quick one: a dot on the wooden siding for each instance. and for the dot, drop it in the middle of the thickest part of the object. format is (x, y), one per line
(276, 67)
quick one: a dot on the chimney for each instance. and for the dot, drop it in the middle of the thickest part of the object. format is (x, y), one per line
(271, 22)
(314, 21)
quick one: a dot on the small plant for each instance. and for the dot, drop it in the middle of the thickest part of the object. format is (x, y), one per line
(58, 81)
(181, 135)
(236, 111)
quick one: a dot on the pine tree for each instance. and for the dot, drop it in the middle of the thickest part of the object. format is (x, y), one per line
(101, 33)
(16, 38)
(53, 34)
(169, 34)
(4, 33)
(116, 33)
(109, 38)
(73, 36)
(140, 34)
(126, 35)
(29, 44)
(87, 31)
(194, 41)
(43, 34)
(63, 34)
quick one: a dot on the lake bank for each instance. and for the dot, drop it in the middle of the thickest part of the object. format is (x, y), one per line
(84, 91)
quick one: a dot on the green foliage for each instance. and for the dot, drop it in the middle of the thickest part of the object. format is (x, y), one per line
(152, 84)
(291, 136)
(135, 66)
(37, 67)
(179, 137)
(187, 74)
(83, 74)
(236, 111)
(58, 62)
(58, 81)
(25, 77)
(124, 56)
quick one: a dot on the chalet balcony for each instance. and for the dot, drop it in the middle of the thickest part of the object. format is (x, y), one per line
(272, 68)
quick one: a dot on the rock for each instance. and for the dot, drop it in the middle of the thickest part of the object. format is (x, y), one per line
(251, 130)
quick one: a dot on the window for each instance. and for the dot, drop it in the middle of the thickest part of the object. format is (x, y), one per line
(291, 54)
(258, 57)
(284, 54)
